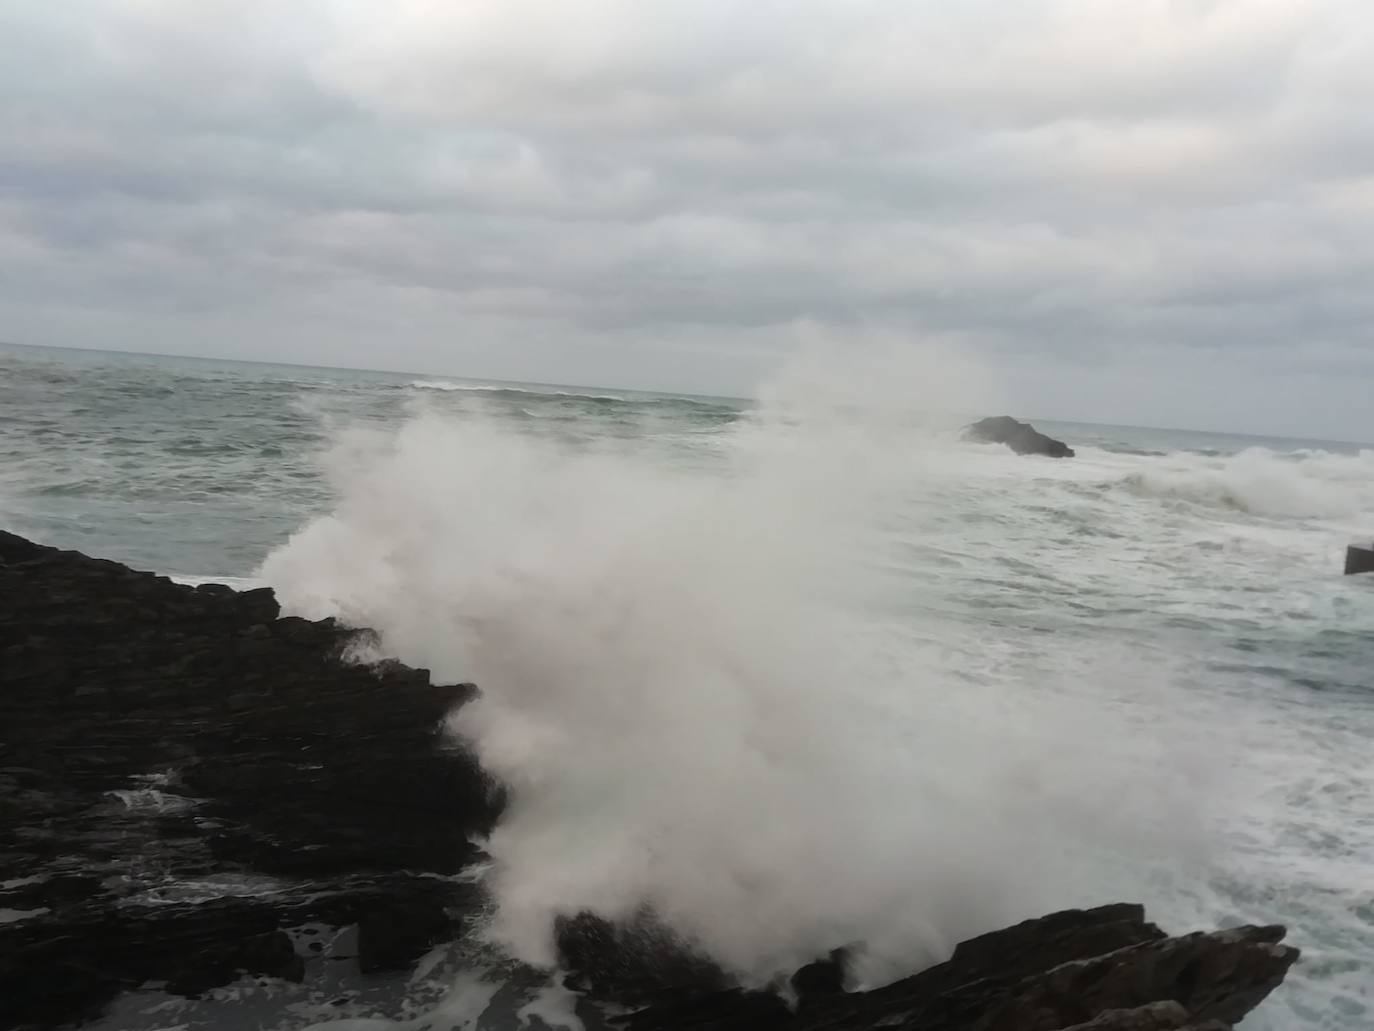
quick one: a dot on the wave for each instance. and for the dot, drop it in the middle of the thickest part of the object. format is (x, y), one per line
(238, 583)
(724, 407)
(491, 388)
(1126, 449)
(692, 696)
(1260, 482)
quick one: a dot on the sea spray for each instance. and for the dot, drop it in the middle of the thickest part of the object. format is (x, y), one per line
(1303, 485)
(704, 694)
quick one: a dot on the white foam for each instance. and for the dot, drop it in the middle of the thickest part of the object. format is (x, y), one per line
(20, 882)
(555, 1005)
(438, 384)
(1315, 485)
(459, 1010)
(696, 692)
(238, 583)
(154, 801)
(14, 916)
(497, 388)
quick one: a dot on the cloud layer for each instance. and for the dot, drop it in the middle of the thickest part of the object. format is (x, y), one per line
(1159, 212)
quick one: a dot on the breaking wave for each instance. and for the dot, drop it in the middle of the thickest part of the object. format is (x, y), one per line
(697, 696)
(493, 388)
(1259, 482)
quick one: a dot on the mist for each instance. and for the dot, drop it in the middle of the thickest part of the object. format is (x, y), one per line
(701, 695)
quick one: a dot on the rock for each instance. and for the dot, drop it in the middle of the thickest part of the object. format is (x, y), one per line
(1036, 945)
(395, 935)
(821, 979)
(1221, 976)
(1104, 969)
(1359, 560)
(153, 734)
(1021, 437)
(66, 965)
(638, 962)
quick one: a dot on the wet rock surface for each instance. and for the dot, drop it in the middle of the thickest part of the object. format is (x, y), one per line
(184, 774)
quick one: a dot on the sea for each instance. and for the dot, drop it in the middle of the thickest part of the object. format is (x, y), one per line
(795, 671)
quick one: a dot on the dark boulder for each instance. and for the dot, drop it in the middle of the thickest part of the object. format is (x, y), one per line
(394, 936)
(1359, 560)
(1021, 437)
(822, 978)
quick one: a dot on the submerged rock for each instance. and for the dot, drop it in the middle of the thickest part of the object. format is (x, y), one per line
(1021, 437)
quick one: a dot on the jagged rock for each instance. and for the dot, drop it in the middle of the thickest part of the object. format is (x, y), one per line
(1021, 437)
(821, 979)
(1006, 955)
(395, 936)
(153, 733)
(1220, 976)
(638, 961)
(1106, 969)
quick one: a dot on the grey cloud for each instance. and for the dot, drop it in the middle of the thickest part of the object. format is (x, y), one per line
(659, 194)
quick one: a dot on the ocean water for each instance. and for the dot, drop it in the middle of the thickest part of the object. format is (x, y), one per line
(797, 671)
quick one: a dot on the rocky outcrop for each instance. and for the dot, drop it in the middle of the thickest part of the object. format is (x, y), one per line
(184, 773)
(187, 779)
(1359, 560)
(1104, 969)
(1021, 437)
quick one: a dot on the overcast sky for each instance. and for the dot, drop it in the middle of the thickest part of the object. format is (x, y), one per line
(1150, 211)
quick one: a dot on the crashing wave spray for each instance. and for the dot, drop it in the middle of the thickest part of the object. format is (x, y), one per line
(1303, 485)
(700, 682)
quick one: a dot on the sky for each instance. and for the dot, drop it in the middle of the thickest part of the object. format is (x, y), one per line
(1157, 212)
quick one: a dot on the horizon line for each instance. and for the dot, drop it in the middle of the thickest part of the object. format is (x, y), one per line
(493, 381)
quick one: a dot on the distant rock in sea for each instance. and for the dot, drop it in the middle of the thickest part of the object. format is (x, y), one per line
(1359, 559)
(1021, 437)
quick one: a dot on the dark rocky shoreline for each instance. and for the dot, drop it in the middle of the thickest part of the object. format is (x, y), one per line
(155, 736)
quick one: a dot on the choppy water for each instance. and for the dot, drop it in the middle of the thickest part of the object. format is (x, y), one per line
(736, 656)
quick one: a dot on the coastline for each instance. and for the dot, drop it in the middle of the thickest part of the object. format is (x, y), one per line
(158, 735)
